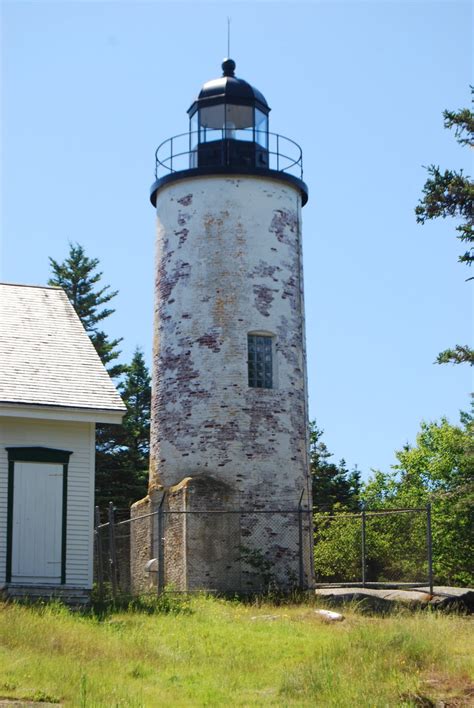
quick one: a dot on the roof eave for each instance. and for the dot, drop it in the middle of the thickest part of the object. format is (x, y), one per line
(15, 409)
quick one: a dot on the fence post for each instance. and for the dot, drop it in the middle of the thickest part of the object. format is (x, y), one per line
(161, 553)
(112, 549)
(300, 533)
(429, 544)
(98, 546)
(363, 548)
(311, 530)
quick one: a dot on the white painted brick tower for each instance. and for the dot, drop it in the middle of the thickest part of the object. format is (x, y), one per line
(229, 409)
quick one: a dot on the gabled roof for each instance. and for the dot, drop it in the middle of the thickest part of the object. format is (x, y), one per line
(46, 356)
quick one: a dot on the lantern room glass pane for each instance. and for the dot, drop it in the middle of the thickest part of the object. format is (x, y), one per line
(211, 123)
(237, 120)
(260, 364)
(212, 117)
(193, 131)
(261, 128)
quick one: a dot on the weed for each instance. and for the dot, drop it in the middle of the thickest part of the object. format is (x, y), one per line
(262, 566)
(168, 602)
(139, 671)
(7, 686)
(43, 697)
(83, 691)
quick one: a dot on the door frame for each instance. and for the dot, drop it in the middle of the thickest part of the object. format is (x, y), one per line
(36, 454)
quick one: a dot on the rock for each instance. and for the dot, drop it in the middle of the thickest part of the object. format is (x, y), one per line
(414, 699)
(384, 599)
(268, 618)
(459, 602)
(365, 601)
(330, 616)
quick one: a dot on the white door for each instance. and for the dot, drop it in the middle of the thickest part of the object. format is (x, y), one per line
(37, 522)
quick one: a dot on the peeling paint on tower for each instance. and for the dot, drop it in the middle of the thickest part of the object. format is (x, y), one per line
(229, 281)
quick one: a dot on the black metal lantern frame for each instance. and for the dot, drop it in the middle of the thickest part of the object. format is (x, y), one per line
(229, 134)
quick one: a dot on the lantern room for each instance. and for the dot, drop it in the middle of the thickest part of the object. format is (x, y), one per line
(228, 134)
(229, 123)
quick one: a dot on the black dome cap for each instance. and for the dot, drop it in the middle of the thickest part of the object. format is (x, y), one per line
(229, 89)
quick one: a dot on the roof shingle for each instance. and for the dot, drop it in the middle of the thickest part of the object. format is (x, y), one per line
(46, 356)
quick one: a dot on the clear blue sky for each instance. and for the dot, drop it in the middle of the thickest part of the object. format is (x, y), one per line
(90, 89)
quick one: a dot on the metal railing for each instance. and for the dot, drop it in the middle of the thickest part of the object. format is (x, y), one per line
(181, 151)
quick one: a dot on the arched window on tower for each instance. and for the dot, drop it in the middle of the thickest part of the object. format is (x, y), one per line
(260, 360)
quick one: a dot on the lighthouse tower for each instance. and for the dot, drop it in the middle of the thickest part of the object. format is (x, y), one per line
(229, 472)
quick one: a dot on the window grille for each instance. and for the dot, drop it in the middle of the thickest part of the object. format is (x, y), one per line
(260, 367)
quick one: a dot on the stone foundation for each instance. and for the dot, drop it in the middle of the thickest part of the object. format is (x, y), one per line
(143, 543)
(208, 544)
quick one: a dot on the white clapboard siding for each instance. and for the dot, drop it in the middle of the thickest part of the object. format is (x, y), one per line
(80, 439)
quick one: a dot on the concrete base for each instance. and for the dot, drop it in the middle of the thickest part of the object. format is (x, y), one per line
(143, 542)
(193, 537)
(186, 532)
(202, 536)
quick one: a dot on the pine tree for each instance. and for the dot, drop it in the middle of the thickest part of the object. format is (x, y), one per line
(334, 486)
(78, 276)
(123, 451)
(451, 193)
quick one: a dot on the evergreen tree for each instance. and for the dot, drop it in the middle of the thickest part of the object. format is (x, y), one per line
(451, 193)
(334, 486)
(78, 276)
(123, 451)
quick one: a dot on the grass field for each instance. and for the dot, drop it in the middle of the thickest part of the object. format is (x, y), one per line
(210, 652)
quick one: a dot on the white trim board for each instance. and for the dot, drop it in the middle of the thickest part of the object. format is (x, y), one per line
(85, 415)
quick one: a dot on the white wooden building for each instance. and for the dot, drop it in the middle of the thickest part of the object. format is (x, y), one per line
(53, 390)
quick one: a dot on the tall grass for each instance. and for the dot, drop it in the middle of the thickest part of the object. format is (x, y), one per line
(210, 652)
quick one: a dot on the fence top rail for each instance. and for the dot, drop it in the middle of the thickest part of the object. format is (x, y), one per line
(206, 511)
(322, 514)
(233, 511)
(379, 512)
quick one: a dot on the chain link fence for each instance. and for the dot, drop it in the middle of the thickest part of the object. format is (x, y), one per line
(390, 547)
(244, 551)
(252, 551)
